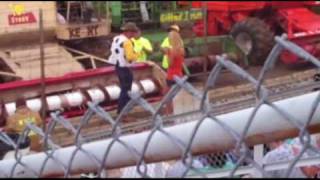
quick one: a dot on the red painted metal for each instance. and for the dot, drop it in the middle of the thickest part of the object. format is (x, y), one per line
(300, 20)
(109, 107)
(89, 74)
(229, 6)
(66, 78)
(294, 17)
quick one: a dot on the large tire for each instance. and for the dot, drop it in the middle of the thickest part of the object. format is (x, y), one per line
(254, 38)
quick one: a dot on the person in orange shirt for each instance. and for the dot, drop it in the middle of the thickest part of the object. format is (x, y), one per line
(175, 58)
(176, 55)
(122, 55)
(17, 122)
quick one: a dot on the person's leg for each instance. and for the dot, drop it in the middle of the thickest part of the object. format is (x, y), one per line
(122, 93)
(124, 97)
(126, 79)
(35, 143)
(169, 105)
(170, 83)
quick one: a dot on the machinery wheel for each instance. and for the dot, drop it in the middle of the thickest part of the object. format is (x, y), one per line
(254, 38)
(316, 77)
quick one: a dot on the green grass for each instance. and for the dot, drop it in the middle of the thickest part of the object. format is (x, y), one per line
(197, 46)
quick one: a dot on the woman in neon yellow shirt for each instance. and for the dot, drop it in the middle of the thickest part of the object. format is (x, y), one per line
(165, 46)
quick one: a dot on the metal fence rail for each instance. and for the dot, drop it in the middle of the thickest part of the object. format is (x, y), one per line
(233, 134)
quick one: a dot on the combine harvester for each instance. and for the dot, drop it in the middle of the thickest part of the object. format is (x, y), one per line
(254, 24)
(70, 84)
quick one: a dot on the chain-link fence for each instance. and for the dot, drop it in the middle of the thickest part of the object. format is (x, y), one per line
(254, 142)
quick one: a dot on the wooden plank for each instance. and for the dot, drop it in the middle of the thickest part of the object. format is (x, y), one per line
(2, 73)
(52, 70)
(25, 38)
(11, 64)
(28, 31)
(25, 61)
(85, 55)
(49, 59)
(29, 46)
(159, 75)
(29, 53)
(81, 31)
(137, 113)
(54, 60)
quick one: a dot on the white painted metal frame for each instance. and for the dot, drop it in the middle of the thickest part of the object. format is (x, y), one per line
(82, 56)
(161, 148)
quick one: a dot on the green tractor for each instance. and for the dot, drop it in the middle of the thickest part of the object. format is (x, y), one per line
(145, 14)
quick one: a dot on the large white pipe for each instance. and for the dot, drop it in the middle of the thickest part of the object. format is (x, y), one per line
(34, 104)
(75, 99)
(54, 102)
(113, 91)
(10, 107)
(210, 137)
(148, 86)
(96, 95)
(135, 88)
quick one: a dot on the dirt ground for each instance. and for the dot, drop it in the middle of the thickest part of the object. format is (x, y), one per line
(227, 78)
(184, 102)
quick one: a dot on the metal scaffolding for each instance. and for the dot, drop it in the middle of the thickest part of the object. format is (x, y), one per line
(235, 132)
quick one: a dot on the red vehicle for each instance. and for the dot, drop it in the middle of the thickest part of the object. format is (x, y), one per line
(254, 24)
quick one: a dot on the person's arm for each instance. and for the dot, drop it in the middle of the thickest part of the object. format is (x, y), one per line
(164, 47)
(10, 125)
(147, 46)
(171, 55)
(130, 54)
(39, 121)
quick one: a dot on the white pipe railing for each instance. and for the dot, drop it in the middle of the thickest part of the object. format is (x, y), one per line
(210, 137)
(77, 98)
(275, 166)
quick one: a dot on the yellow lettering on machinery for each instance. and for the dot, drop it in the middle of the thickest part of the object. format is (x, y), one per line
(180, 16)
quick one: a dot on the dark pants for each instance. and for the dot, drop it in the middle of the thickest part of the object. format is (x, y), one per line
(170, 83)
(87, 15)
(125, 78)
